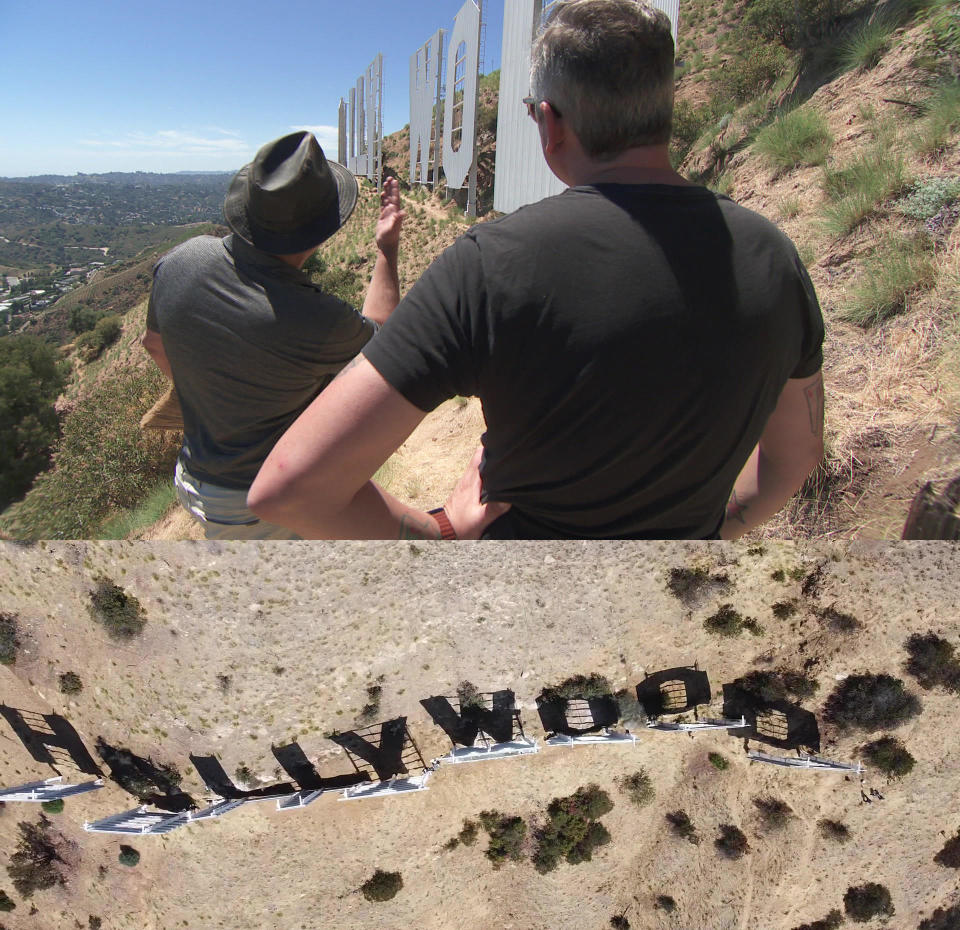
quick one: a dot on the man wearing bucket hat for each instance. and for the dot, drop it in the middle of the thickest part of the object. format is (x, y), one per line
(246, 337)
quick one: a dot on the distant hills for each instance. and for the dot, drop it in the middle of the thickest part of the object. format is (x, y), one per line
(125, 178)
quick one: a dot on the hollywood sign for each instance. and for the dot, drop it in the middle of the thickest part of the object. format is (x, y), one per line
(444, 81)
(387, 761)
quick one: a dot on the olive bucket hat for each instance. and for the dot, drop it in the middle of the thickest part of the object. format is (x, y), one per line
(290, 198)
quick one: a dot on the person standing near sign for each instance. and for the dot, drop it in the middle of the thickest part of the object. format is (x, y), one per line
(647, 352)
(246, 337)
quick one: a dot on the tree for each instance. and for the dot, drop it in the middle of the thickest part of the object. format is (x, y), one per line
(949, 856)
(36, 863)
(128, 856)
(31, 378)
(890, 756)
(932, 661)
(732, 842)
(118, 611)
(871, 702)
(382, 886)
(864, 902)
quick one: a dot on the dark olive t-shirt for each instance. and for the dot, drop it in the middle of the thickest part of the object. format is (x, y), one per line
(251, 343)
(628, 344)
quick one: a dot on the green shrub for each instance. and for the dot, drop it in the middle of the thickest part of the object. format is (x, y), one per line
(834, 830)
(102, 462)
(857, 189)
(105, 333)
(727, 622)
(70, 683)
(53, 807)
(866, 44)
(572, 831)
(36, 864)
(619, 922)
(582, 687)
(128, 856)
(382, 886)
(767, 687)
(941, 121)
(793, 23)
(871, 702)
(774, 813)
(754, 69)
(118, 611)
(638, 787)
(506, 836)
(890, 756)
(732, 842)
(800, 137)
(681, 825)
(933, 662)
(719, 762)
(949, 856)
(888, 277)
(469, 696)
(630, 709)
(31, 378)
(468, 833)
(691, 586)
(6, 902)
(82, 319)
(864, 902)
(664, 902)
(9, 641)
(837, 621)
(928, 196)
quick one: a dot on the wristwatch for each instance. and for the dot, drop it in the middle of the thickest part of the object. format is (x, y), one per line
(443, 521)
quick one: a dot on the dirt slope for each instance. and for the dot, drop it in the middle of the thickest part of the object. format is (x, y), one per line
(303, 629)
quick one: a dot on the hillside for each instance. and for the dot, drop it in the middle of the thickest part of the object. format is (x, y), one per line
(851, 143)
(248, 648)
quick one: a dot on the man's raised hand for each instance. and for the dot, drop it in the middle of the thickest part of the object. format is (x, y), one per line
(391, 216)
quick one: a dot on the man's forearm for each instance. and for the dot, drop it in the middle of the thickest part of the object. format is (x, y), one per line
(383, 295)
(153, 344)
(761, 490)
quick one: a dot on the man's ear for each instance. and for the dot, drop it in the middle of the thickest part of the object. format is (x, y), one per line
(553, 131)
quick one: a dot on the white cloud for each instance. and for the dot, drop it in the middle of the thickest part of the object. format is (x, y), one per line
(217, 144)
(327, 136)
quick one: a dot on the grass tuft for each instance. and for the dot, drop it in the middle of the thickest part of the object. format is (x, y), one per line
(888, 278)
(800, 137)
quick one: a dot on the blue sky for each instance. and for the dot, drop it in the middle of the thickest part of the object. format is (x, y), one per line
(176, 86)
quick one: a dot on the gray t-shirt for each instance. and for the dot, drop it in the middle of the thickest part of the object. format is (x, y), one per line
(251, 342)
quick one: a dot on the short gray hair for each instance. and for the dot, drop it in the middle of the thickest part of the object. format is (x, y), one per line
(607, 65)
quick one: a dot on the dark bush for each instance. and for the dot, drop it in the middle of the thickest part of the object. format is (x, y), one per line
(94, 923)
(732, 842)
(630, 709)
(768, 687)
(833, 920)
(890, 756)
(572, 831)
(942, 919)
(693, 585)
(619, 922)
(871, 702)
(118, 611)
(128, 856)
(53, 807)
(664, 902)
(774, 813)
(70, 683)
(105, 333)
(838, 622)
(6, 902)
(36, 864)
(949, 856)
(468, 833)
(638, 787)
(864, 902)
(681, 825)
(506, 836)
(382, 886)
(243, 775)
(9, 642)
(932, 661)
(727, 622)
(834, 830)
(581, 687)
(469, 696)
(719, 762)
(784, 610)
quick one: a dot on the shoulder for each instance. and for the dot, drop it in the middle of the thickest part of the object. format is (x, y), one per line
(198, 249)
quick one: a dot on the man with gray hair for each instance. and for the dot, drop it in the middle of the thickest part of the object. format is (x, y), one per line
(647, 352)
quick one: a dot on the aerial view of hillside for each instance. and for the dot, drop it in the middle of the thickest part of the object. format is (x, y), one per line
(184, 674)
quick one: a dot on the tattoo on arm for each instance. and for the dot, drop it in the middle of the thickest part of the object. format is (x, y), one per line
(735, 509)
(412, 527)
(351, 364)
(814, 395)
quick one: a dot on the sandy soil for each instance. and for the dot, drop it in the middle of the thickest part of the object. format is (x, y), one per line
(302, 629)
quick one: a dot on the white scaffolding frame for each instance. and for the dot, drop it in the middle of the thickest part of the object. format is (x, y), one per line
(390, 786)
(49, 789)
(718, 724)
(805, 762)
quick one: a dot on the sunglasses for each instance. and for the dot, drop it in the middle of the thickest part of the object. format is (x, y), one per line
(532, 102)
